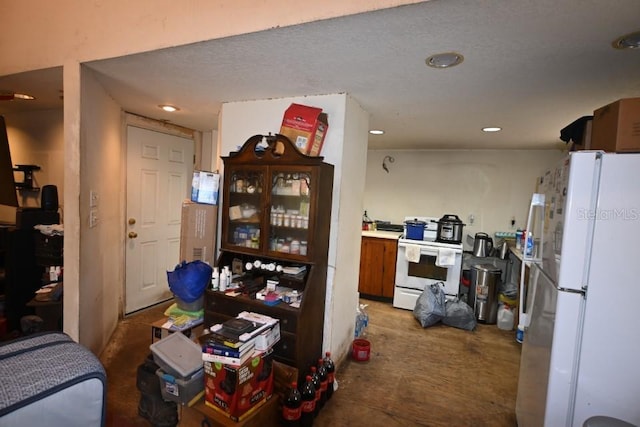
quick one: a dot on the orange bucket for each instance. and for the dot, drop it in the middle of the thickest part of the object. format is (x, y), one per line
(361, 350)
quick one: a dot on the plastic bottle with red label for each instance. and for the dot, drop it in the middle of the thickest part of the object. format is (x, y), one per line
(292, 406)
(324, 382)
(308, 393)
(315, 379)
(331, 369)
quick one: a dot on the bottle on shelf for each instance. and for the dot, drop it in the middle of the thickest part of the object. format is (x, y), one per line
(292, 406)
(229, 276)
(331, 369)
(223, 280)
(324, 382)
(215, 279)
(366, 221)
(308, 393)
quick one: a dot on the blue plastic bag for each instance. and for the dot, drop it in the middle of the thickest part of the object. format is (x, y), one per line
(189, 280)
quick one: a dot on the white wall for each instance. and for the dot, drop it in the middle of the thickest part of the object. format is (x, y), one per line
(343, 296)
(99, 288)
(36, 138)
(493, 185)
(344, 245)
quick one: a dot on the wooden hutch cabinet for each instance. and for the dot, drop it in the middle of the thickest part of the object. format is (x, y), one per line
(276, 213)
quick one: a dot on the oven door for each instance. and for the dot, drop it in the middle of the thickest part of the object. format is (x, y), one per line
(417, 275)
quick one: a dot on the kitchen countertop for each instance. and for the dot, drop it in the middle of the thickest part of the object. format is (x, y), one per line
(394, 235)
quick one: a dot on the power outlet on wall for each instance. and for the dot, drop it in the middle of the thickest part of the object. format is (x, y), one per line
(93, 218)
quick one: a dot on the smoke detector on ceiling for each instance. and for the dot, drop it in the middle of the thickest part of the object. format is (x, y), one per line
(444, 60)
(628, 41)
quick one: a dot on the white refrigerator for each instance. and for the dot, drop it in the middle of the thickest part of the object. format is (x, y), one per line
(581, 350)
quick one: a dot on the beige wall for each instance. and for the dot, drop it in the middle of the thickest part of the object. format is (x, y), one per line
(80, 30)
(99, 288)
(493, 185)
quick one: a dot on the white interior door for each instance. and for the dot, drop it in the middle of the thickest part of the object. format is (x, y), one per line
(159, 170)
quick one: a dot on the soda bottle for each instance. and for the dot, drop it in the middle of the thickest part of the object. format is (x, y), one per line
(292, 406)
(315, 379)
(324, 382)
(331, 369)
(308, 403)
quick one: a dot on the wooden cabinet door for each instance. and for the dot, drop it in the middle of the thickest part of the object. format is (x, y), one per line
(377, 266)
(371, 262)
(389, 267)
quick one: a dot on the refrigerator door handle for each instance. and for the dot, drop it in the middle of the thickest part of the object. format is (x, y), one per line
(582, 291)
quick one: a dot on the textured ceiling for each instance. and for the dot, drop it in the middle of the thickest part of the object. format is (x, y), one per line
(530, 67)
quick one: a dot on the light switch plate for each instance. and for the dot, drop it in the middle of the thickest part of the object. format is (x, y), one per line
(93, 199)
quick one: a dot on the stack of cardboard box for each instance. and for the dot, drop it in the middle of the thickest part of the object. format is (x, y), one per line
(237, 357)
(199, 219)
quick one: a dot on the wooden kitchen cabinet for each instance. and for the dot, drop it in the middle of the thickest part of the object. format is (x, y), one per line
(276, 212)
(377, 267)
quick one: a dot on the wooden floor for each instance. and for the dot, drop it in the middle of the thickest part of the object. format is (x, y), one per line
(436, 376)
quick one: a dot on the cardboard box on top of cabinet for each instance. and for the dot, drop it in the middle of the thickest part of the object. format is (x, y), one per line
(204, 187)
(616, 127)
(198, 232)
(306, 127)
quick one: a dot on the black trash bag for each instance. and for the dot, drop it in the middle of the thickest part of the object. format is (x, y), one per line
(430, 307)
(459, 315)
(189, 280)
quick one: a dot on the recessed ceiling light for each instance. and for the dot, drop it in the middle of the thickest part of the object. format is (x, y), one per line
(491, 129)
(23, 96)
(376, 132)
(628, 41)
(169, 108)
(444, 60)
(9, 96)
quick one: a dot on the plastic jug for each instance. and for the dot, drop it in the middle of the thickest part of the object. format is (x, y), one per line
(505, 317)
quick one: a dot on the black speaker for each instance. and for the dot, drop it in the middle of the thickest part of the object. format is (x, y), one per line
(49, 199)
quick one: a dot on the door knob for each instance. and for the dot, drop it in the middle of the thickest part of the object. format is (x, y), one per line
(133, 234)
(132, 221)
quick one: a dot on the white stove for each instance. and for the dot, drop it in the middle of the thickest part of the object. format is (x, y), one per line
(424, 262)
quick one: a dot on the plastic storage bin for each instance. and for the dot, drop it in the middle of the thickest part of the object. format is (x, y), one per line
(181, 390)
(177, 355)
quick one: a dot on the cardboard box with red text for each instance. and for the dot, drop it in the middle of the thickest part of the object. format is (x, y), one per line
(616, 127)
(306, 127)
(198, 232)
(237, 391)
